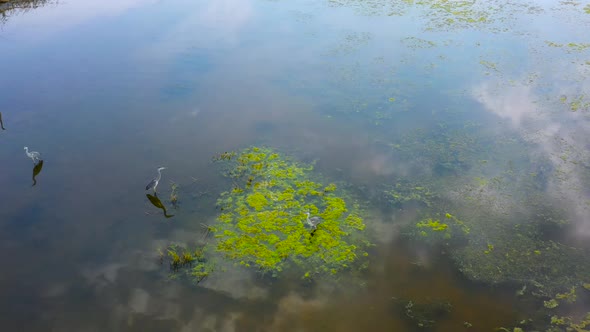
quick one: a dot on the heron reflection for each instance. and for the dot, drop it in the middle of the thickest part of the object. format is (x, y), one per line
(158, 203)
(36, 170)
(1, 122)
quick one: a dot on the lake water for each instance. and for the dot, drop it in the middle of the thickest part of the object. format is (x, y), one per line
(474, 115)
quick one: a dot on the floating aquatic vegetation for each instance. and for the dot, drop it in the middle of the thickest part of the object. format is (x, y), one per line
(224, 156)
(449, 15)
(550, 304)
(509, 244)
(416, 43)
(183, 261)
(549, 321)
(516, 329)
(404, 192)
(566, 323)
(587, 9)
(351, 43)
(504, 231)
(570, 47)
(439, 150)
(435, 229)
(520, 255)
(429, 227)
(174, 195)
(575, 104)
(490, 66)
(263, 218)
(425, 313)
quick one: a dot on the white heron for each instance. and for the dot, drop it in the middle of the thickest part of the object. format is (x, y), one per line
(313, 221)
(154, 183)
(34, 155)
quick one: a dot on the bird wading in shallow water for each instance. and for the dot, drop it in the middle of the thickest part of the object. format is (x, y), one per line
(313, 222)
(34, 155)
(154, 183)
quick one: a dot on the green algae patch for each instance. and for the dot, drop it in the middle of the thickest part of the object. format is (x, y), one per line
(263, 220)
(570, 47)
(442, 228)
(434, 225)
(576, 103)
(183, 261)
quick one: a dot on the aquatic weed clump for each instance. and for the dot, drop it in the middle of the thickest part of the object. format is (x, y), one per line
(561, 313)
(182, 261)
(500, 231)
(263, 220)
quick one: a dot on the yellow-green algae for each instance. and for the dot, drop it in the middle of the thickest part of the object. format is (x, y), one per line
(181, 261)
(263, 218)
(434, 226)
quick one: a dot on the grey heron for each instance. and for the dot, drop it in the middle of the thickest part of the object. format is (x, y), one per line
(154, 183)
(313, 221)
(34, 155)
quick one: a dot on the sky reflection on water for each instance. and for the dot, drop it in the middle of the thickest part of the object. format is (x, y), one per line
(109, 91)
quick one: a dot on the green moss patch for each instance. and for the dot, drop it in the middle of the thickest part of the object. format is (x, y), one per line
(263, 220)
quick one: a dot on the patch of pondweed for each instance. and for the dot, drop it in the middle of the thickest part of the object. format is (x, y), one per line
(263, 225)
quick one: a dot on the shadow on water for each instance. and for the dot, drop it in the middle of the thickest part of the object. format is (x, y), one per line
(158, 203)
(36, 170)
(1, 122)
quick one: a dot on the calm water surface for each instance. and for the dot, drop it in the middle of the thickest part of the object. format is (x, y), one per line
(489, 105)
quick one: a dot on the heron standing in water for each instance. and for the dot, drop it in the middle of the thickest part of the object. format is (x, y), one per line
(34, 155)
(154, 183)
(313, 221)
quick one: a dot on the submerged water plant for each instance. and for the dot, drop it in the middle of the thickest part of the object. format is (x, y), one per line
(263, 218)
(174, 195)
(425, 313)
(183, 261)
(434, 229)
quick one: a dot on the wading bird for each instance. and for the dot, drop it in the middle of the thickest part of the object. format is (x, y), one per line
(34, 155)
(154, 183)
(313, 221)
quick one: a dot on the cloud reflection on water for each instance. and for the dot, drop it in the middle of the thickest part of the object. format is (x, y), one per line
(214, 24)
(558, 136)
